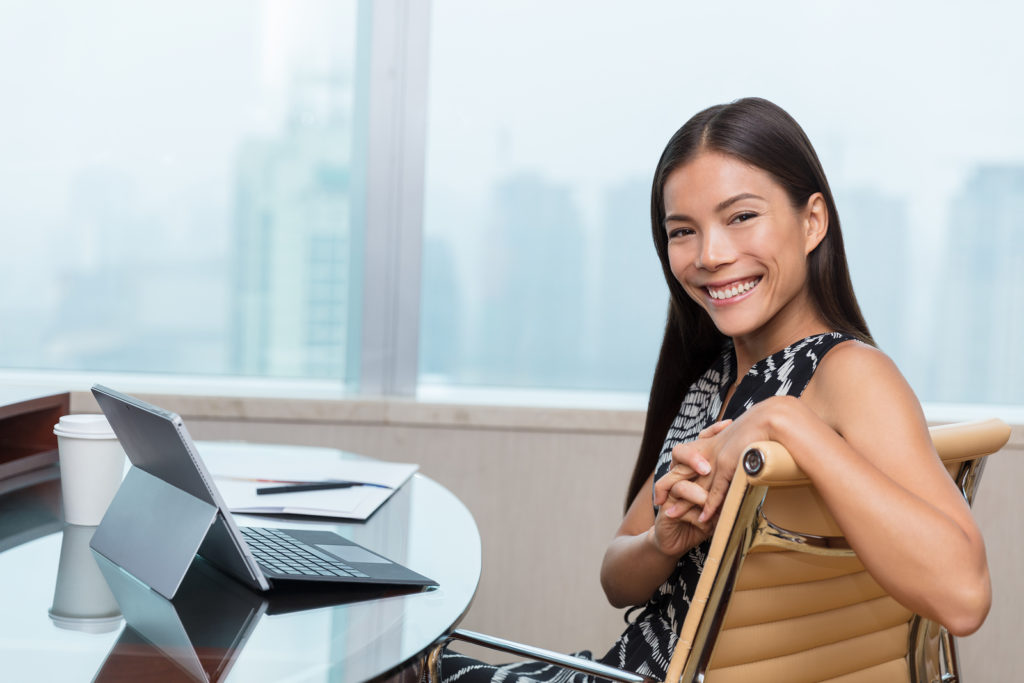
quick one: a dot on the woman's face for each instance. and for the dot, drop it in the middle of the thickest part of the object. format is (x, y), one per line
(739, 248)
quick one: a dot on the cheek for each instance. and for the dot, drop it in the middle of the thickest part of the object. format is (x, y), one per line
(793, 268)
(678, 260)
(782, 248)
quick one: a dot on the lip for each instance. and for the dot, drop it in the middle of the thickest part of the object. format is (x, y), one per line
(756, 279)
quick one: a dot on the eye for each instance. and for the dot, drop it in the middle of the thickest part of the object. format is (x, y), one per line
(677, 233)
(744, 216)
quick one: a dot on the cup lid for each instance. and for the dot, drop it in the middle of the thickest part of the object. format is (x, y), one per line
(84, 425)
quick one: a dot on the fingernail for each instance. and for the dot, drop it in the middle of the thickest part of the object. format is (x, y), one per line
(672, 510)
(703, 516)
(703, 467)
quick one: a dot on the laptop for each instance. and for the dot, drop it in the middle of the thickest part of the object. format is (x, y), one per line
(168, 509)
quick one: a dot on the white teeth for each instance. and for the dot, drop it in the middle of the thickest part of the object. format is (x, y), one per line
(733, 290)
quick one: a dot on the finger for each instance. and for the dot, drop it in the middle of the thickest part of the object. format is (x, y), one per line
(692, 517)
(684, 471)
(713, 429)
(692, 458)
(663, 485)
(676, 508)
(690, 492)
(715, 497)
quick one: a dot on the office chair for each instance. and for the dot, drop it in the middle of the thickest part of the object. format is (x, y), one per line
(783, 597)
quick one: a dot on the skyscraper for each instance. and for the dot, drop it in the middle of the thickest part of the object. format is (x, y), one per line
(530, 312)
(876, 234)
(631, 296)
(292, 239)
(979, 337)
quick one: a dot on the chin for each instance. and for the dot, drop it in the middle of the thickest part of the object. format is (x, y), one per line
(734, 328)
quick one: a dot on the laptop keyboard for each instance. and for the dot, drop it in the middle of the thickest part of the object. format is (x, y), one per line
(284, 554)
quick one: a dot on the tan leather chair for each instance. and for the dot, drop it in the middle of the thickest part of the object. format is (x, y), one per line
(783, 597)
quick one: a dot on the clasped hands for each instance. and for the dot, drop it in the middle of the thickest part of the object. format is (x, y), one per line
(690, 494)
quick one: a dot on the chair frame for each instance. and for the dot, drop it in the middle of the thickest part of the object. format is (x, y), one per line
(932, 652)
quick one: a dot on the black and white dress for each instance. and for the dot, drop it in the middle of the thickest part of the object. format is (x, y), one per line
(647, 643)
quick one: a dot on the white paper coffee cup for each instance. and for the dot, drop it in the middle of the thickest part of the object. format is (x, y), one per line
(91, 467)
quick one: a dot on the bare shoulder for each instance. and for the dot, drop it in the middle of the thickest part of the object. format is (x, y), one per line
(851, 360)
(856, 383)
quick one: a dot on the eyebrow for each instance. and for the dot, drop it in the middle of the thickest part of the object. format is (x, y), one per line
(722, 205)
(738, 198)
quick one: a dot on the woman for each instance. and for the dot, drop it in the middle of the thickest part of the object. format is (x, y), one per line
(765, 341)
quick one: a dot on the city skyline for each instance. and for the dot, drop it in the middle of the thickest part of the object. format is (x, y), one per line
(140, 192)
(565, 303)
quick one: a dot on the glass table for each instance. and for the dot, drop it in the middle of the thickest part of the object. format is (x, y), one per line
(63, 617)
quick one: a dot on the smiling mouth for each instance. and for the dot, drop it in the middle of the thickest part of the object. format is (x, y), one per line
(732, 290)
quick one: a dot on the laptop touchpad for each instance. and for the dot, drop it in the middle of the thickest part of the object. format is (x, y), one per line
(351, 553)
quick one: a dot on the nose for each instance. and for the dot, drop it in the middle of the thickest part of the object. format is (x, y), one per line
(715, 250)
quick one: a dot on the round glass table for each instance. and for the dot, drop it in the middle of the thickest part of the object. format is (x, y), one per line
(62, 617)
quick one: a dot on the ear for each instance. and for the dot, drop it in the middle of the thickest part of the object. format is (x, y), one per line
(815, 221)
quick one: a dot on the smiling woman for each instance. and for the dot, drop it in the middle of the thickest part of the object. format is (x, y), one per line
(765, 341)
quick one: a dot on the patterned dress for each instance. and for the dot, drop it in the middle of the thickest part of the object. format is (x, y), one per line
(647, 643)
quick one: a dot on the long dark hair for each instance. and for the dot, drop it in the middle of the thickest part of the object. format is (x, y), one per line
(763, 135)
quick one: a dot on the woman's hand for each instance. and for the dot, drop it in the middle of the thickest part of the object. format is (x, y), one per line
(714, 455)
(648, 544)
(682, 495)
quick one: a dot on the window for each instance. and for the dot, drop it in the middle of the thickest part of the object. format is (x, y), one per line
(179, 187)
(547, 119)
(405, 197)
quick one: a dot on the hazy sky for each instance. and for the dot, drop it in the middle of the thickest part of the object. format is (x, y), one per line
(899, 94)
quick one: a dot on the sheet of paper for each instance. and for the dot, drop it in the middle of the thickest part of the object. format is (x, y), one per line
(238, 478)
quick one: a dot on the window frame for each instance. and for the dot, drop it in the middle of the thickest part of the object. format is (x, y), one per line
(395, 86)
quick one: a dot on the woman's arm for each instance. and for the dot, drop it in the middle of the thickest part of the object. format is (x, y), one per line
(860, 435)
(644, 552)
(633, 564)
(646, 546)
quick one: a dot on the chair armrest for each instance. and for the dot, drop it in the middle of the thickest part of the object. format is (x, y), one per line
(768, 463)
(969, 440)
(541, 655)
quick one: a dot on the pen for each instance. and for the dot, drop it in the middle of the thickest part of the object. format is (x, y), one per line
(318, 486)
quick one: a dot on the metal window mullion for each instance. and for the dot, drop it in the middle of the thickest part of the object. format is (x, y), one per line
(395, 158)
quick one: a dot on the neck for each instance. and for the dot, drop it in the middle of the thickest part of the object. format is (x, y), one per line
(789, 326)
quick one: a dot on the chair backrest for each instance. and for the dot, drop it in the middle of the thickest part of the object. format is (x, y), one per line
(783, 598)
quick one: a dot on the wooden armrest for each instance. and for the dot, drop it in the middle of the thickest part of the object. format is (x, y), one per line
(768, 463)
(968, 440)
(586, 666)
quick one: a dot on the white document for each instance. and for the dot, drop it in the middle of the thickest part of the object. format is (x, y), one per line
(238, 478)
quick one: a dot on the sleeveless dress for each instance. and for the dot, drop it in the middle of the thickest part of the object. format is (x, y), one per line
(647, 643)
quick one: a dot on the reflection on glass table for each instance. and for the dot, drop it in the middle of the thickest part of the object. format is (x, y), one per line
(204, 628)
(223, 631)
(82, 600)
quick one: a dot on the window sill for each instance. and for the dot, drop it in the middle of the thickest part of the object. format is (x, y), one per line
(313, 401)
